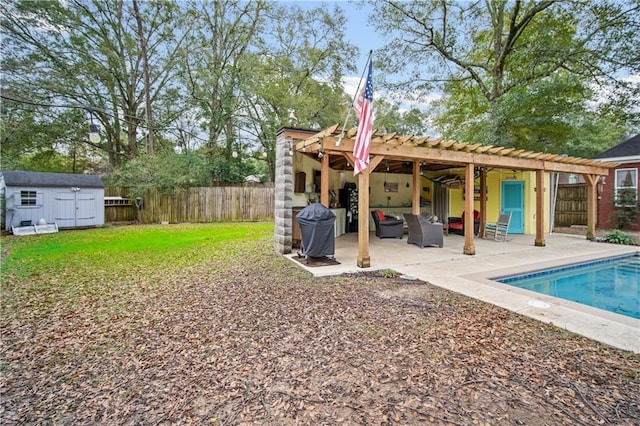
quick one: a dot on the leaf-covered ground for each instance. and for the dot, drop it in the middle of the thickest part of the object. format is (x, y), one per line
(244, 336)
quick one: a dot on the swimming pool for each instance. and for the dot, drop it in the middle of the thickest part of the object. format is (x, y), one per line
(611, 284)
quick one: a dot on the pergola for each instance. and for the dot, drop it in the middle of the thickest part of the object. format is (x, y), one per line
(422, 153)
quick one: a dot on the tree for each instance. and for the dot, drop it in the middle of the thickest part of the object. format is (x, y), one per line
(38, 142)
(517, 73)
(166, 172)
(163, 77)
(88, 54)
(224, 33)
(296, 75)
(390, 118)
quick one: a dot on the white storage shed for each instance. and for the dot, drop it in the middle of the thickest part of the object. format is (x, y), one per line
(68, 200)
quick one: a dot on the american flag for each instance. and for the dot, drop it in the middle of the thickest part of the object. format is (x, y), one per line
(364, 110)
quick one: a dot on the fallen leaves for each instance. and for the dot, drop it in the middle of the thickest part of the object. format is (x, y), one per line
(253, 339)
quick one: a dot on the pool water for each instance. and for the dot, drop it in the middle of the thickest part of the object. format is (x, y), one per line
(611, 284)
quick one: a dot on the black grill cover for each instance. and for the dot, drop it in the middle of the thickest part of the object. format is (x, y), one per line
(316, 226)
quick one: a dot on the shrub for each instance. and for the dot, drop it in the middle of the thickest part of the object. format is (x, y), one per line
(626, 208)
(388, 273)
(618, 237)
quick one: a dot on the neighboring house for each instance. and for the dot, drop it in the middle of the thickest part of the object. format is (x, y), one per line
(68, 200)
(253, 179)
(623, 180)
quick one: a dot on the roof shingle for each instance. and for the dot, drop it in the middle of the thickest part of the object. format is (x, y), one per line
(19, 178)
(628, 148)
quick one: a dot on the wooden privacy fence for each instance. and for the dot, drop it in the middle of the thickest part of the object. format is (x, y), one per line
(210, 204)
(571, 205)
(118, 207)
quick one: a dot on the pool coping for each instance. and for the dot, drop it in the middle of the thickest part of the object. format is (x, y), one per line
(614, 329)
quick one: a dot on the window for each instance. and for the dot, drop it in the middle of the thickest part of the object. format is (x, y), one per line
(28, 198)
(626, 187)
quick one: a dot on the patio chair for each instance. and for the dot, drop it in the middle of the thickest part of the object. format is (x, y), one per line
(387, 226)
(500, 229)
(456, 224)
(422, 232)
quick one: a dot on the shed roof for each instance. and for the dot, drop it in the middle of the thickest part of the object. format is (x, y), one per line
(628, 148)
(18, 178)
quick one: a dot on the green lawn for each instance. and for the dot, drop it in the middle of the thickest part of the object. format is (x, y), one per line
(61, 267)
(152, 246)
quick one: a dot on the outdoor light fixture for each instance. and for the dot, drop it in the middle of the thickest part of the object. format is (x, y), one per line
(234, 154)
(94, 130)
(264, 154)
(94, 133)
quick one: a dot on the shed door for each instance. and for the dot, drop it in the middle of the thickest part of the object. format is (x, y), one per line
(64, 209)
(513, 201)
(85, 208)
(75, 208)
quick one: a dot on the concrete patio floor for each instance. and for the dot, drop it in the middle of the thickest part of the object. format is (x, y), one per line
(449, 268)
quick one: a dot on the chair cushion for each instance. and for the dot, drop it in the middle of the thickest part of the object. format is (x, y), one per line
(381, 216)
(476, 215)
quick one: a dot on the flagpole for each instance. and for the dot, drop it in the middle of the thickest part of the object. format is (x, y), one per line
(353, 100)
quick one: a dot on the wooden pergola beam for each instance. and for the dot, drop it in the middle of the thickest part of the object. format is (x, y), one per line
(479, 156)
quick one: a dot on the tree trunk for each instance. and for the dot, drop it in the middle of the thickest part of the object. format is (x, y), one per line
(147, 84)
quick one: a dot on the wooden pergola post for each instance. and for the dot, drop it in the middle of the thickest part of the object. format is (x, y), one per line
(324, 180)
(592, 197)
(415, 199)
(469, 245)
(364, 260)
(483, 199)
(539, 242)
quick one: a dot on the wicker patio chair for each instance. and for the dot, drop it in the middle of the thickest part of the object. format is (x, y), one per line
(423, 233)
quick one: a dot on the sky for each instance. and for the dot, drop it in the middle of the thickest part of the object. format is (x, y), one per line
(358, 32)
(363, 35)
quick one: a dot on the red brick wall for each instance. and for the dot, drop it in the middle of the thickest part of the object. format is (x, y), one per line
(606, 217)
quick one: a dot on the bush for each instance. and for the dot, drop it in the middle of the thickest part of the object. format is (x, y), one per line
(388, 273)
(619, 237)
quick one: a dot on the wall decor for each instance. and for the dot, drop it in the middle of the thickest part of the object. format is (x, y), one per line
(476, 192)
(390, 187)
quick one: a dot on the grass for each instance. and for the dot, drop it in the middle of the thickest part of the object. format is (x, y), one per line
(154, 246)
(53, 269)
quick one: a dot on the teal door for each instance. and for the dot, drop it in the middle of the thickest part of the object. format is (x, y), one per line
(513, 201)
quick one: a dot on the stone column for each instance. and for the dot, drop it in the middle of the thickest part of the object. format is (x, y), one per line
(283, 194)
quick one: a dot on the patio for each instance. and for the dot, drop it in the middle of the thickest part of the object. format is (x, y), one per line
(332, 151)
(449, 268)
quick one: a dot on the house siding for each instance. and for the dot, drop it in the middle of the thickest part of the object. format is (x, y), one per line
(606, 207)
(494, 198)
